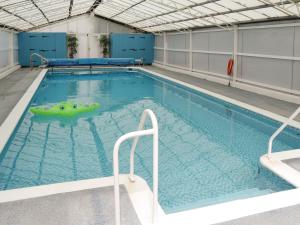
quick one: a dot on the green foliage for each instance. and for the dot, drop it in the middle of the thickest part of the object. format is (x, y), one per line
(104, 43)
(72, 45)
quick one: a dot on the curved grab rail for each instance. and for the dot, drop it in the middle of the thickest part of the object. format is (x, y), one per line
(136, 134)
(281, 128)
(43, 59)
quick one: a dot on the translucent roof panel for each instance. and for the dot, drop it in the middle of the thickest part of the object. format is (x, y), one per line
(148, 15)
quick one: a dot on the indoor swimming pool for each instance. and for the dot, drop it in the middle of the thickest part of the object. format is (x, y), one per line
(209, 149)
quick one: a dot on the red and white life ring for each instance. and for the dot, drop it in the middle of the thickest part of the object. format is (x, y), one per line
(230, 67)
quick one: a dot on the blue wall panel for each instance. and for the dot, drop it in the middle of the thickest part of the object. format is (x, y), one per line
(49, 45)
(133, 45)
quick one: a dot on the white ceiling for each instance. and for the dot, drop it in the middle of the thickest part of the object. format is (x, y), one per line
(148, 15)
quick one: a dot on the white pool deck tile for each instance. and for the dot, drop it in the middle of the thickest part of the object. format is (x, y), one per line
(289, 215)
(85, 207)
(13, 87)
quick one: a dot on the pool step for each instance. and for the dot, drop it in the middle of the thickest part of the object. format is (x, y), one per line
(248, 193)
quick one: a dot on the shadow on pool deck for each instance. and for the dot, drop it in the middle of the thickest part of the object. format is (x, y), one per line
(87, 207)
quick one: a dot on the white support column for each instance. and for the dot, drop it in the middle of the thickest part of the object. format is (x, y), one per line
(165, 48)
(190, 52)
(235, 52)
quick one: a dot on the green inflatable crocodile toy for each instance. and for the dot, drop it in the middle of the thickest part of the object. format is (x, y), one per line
(64, 109)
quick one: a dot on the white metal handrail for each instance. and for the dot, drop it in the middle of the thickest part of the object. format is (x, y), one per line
(281, 128)
(43, 59)
(136, 134)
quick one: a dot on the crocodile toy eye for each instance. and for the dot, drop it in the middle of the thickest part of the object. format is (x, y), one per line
(61, 107)
(75, 106)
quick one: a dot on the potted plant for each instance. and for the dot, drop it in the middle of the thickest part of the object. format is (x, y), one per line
(72, 45)
(104, 43)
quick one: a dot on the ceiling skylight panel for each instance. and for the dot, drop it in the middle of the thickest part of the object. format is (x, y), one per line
(116, 4)
(9, 2)
(202, 21)
(226, 19)
(126, 18)
(294, 8)
(204, 10)
(150, 9)
(254, 15)
(167, 18)
(178, 2)
(106, 13)
(81, 6)
(271, 12)
(185, 24)
(19, 24)
(6, 17)
(180, 15)
(59, 16)
(230, 4)
(239, 17)
(249, 3)
(214, 21)
(215, 8)
(146, 23)
(48, 7)
(196, 22)
(139, 13)
(162, 5)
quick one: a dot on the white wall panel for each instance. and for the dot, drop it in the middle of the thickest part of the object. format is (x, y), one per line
(82, 49)
(296, 76)
(200, 61)
(159, 41)
(200, 41)
(4, 49)
(297, 42)
(221, 41)
(178, 41)
(178, 58)
(159, 55)
(267, 71)
(218, 63)
(15, 49)
(268, 54)
(271, 41)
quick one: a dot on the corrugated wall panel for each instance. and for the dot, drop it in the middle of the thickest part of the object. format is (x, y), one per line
(200, 61)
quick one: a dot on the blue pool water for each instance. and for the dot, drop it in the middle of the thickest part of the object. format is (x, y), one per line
(208, 149)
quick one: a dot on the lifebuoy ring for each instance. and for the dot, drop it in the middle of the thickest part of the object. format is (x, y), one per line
(230, 67)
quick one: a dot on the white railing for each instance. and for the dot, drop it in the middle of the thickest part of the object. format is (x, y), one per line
(136, 134)
(281, 128)
(43, 59)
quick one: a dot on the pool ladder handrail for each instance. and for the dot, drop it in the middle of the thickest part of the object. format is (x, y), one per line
(136, 134)
(43, 59)
(280, 129)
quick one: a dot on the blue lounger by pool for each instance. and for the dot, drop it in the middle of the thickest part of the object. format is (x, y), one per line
(62, 62)
(91, 62)
(121, 61)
